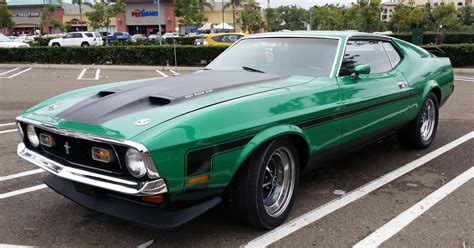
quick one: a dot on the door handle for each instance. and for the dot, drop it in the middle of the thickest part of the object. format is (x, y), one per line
(402, 84)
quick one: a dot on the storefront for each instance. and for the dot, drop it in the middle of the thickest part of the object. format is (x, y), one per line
(72, 19)
(144, 17)
(26, 16)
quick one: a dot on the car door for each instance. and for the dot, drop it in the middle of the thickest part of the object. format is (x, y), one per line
(376, 102)
(66, 40)
(77, 39)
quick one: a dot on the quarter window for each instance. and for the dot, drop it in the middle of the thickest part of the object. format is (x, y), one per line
(76, 35)
(89, 35)
(392, 53)
(360, 52)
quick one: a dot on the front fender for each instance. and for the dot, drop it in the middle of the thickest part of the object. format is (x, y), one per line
(269, 134)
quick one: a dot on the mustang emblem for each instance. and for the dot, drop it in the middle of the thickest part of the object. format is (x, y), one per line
(67, 147)
(142, 122)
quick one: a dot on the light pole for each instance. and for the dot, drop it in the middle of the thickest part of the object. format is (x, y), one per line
(159, 24)
(222, 14)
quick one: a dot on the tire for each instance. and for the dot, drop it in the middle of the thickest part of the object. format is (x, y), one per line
(422, 130)
(253, 202)
(84, 44)
(55, 45)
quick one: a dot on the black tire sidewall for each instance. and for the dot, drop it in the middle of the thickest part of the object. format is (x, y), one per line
(260, 160)
(422, 143)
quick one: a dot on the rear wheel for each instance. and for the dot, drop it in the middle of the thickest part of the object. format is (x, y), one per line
(84, 44)
(55, 45)
(262, 193)
(421, 132)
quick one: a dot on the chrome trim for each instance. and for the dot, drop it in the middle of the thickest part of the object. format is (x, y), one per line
(151, 168)
(136, 188)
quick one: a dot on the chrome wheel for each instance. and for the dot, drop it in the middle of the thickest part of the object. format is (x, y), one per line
(428, 119)
(278, 181)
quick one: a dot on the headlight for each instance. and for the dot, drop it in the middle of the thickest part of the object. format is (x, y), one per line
(32, 137)
(20, 130)
(134, 162)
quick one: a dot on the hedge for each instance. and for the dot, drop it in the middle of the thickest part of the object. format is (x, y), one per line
(446, 38)
(139, 55)
(460, 55)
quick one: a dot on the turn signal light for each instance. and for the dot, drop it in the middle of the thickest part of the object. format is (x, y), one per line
(100, 154)
(153, 198)
(46, 140)
(198, 179)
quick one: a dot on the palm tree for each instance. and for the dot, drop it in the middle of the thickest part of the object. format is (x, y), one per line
(80, 3)
(234, 4)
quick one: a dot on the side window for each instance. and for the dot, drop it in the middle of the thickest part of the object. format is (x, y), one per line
(89, 35)
(360, 52)
(218, 38)
(77, 35)
(392, 53)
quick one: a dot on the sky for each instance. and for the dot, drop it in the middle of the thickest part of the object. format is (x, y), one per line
(301, 3)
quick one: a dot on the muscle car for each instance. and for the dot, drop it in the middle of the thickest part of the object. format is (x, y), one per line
(160, 152)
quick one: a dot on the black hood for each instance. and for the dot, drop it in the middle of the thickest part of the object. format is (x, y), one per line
(152, 93)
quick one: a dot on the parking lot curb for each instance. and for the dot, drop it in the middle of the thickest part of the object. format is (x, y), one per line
(107, 67)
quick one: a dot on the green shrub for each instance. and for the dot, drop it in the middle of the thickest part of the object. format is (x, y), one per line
(138, 55)
(42, 41)
(459, 54)
(447, 38)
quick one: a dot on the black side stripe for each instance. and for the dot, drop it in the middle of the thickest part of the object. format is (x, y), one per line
(324, 119)
(199, 161)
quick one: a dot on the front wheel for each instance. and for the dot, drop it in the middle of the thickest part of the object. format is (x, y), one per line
(262, 193)
(421, 132)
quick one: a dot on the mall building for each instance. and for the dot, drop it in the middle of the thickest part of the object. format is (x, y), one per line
(146, 16)
(26, 16)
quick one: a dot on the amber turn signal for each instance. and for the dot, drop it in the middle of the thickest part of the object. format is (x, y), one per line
(153, 198)
(46, 140)
(100, 154)
(198, 179)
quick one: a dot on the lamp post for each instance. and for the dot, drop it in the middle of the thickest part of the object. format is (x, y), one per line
(222, 14)
(159, 24)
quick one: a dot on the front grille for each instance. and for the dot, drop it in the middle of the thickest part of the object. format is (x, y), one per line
(77, 153)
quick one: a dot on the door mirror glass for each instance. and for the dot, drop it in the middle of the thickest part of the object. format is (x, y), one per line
(361, 69)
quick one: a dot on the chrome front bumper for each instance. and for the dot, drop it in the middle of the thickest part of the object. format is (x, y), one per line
(152, 187)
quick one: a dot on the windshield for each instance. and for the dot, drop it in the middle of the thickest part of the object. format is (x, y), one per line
(287, 56)
(3, 38)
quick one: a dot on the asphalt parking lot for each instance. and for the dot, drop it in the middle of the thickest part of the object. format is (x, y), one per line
(391, 196)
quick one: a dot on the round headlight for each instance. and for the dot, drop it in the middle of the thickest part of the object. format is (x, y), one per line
(20, 130)
(134, 162)
(32, 137)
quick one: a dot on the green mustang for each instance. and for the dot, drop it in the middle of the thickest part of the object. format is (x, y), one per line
(160, 152)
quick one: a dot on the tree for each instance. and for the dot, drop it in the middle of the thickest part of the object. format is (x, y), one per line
(401, 18)
(293, 17)
(191, 12)
(250, 18)
(103, 12)
(46, 16)
(418, 16)
(446, 15)
(466, 14)
(234, 4)
(328, 17)
(5, 15)
(80, 3)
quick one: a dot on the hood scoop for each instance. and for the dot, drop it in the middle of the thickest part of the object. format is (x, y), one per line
(104, 93)
(158, 100)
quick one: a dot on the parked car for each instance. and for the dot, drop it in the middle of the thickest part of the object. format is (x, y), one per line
(220, 39)
(5, 42)
(25, 38)
(121, 37)
(153, 38)
(160, 152)
(137, 37)
(77, 39)
(170, 35)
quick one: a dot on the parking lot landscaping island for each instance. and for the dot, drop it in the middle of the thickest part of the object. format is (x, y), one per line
(460, 55)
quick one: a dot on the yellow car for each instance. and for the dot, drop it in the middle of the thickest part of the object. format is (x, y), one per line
(221, 39)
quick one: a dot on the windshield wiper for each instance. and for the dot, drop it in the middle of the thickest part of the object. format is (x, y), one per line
(252, 69)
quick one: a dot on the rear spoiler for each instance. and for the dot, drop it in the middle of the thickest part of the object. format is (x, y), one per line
(436, 51)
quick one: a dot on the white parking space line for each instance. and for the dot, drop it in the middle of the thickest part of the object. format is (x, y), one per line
(15, 246)
(162, 73)
(326, 209)
(22, 191)
(464, 79)
(146, 244)
(83, 72)
(174, 73)
(7, 124)
(8, 131)
(12, 70)
(21, 174)
(18, 73)
(401, 221)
